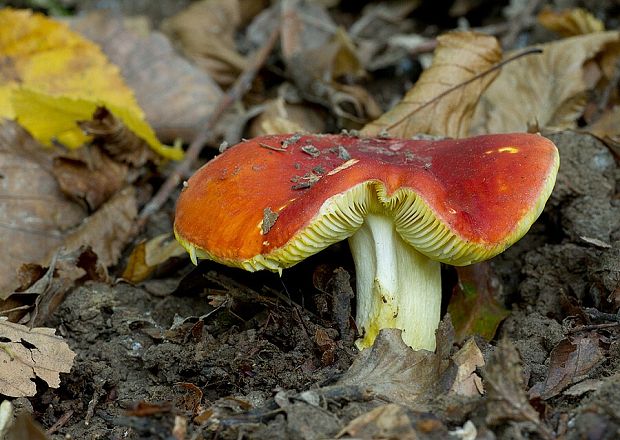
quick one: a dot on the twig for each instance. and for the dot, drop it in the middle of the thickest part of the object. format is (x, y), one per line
(236, 92)
(60, 422)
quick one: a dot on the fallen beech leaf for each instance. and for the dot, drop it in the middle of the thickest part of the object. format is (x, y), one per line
(393, 421)
(506, 398)
(109, 229)
(176, 95)
(546, 90)
(395, 372)
(473, 305)
(206, 32)
(570, 22)
(459, 57)
(467, 360)
(34, 213)
(570, 362)
(28, 353)
(281, 117)
(91, 177)
(146, 256)
(51, 77)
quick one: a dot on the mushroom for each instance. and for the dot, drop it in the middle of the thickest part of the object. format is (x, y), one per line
(404, 205)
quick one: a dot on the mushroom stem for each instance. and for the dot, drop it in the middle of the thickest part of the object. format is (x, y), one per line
(397, 287)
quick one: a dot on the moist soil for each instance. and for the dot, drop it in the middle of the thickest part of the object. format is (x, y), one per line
(216, 351)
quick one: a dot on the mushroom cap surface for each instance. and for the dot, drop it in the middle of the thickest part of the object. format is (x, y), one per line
(270, 202)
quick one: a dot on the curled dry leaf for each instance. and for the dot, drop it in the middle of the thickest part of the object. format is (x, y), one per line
(434, 106)
(281, 117)
(506, 398)
(147, 255)
(393, 371)
(176, 95)
(28, 353)
(206, 30)
(467, 360)
(570, 362)
(546, 90)
(34, 213)
(570, 22)
(109, 229)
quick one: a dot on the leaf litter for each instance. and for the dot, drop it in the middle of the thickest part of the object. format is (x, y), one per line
(268, 357)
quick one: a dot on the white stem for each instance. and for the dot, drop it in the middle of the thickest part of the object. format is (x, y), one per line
(397, 287)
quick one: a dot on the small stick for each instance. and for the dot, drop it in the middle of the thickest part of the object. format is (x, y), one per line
(238, 89)
(60, 422)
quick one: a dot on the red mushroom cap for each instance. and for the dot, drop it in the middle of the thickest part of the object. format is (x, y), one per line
(272, 201)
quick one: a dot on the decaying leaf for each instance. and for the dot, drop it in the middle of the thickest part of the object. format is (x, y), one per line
(607, 128)
(147, 255)
(34, 213)
(432, 106)
(90, 176)
(175, 94)
(570, 362)
(206, 30)
(546, 90)
(393, 371)
(506, 398)
(280, 117)
(109, 229)
(393, 421)
(467, 360)
(473, 305)
(51, 77)
(28, 353)
(570, 22)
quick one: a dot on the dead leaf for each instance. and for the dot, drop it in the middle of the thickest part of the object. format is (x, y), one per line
(546, 90)
(467, 360)
(281, 117)
(473, 306)
(90, 177)
(24, 427)
(206, 30)
(147, 255)
(28, 353)
(506, 398)
(570, 362)
(395, 372)
(570, 22)
(34, 213)
(393, 421)
(607, 129)
(109, 229)
(176, 95)
(48, 101)
(432, 106)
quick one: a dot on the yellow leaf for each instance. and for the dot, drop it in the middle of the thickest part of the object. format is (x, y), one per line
(434, 106)
(51, 77)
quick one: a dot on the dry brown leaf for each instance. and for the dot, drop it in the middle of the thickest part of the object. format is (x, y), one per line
(34, 213)
(28, 353)
(206, 31)
(281, 117)
(147, 255)
(386, 421)
(90, 176)
(570, 22)
(109, 229)
(467, 360)
(506, 398)
(570, 362)
(430, 107)
(607, 128)
(176, 95)
(546, 90)
(394, 372)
